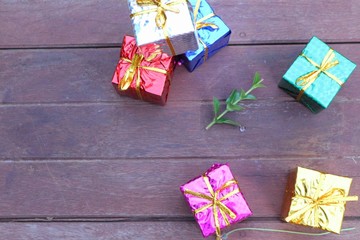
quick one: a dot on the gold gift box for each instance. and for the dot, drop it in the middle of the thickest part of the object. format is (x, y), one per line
(316, 199)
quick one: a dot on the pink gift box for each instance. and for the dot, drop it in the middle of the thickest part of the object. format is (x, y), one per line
(217, 186)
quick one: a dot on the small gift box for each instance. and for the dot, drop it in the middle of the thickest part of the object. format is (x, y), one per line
(143, 72)
(213, 35)
(216, 200)
(316, 199)
(167, 23)
(317, 75)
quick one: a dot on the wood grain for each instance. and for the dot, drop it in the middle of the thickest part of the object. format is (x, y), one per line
(84, 75)
(147, 188)
(281, 129)
(75, 23)
(156, 230)
(77, 161)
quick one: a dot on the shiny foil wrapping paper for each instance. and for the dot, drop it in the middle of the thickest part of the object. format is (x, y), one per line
(179, 27)
(316, 199)
(218, 176)
(154, 86)
(213, 38)
(323, 90)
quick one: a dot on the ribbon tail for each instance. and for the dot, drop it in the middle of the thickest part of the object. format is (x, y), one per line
(218, 237)
(138, 85)
(298, 213)
(333, 77)
(306, 82)
(125, 82)
(160, 18)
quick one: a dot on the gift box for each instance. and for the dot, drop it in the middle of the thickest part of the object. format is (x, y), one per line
(213, 35)
(216, 200)
(143, 72)
(317, 75)
(316, 199)
(167, 23)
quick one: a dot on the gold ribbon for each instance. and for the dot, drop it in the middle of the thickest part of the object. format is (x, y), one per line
(160, 8)
(306, 80)
(216, 203)
(334, 197)
(134, 68)
(201, 23)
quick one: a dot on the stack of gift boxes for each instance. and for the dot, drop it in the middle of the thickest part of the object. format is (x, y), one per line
(168, 31)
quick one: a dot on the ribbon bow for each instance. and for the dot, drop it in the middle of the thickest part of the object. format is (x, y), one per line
(313, 205)
(134, 70)
(160, 8)
(215, 203)
(327, 63)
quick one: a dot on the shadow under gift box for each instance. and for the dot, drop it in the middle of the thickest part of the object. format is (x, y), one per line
(155, 69)
(213, 35)
(316, 76)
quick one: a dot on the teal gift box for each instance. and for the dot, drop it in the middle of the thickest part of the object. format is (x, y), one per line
(213, 35)
(317, 75)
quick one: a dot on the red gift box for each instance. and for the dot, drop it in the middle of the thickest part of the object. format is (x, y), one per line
(143, 72)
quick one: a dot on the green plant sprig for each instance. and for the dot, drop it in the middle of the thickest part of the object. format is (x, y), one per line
(232, 101)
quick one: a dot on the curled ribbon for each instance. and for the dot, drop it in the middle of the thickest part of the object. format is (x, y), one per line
(201, 23)
(160, 8)
(313, 205)
(306, 80)
(134, 71)
(216, 203)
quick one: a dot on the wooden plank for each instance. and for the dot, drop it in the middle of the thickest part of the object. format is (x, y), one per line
(147, 188)
(84, 75)
(284, 129)
(157, 230)
(62, 23)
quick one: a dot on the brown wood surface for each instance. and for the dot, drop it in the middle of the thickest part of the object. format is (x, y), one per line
(76, 23)
(77, 161)
(121, 188)
(154, 230)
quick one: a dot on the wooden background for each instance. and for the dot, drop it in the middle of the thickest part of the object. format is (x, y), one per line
(77, 161)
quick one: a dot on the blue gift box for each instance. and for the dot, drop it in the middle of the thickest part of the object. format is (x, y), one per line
(317, 75)
(213, 34)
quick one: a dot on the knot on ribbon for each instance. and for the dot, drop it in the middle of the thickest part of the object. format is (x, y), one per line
(160, 8)
(126, 81)
(216, 203)
(312, 213)
(133, 72)
(327, 63)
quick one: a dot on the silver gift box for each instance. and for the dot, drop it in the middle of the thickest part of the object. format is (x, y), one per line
(179, 27)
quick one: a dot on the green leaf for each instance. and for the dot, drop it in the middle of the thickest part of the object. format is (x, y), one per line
(260, 85)
(250, 97)
(228, 121)
(234, 96)
(232, 101)
(233, 107)
(242, 94)
(257, 78)
(216, 103)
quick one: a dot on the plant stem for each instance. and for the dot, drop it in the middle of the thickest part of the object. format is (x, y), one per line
(210, 124)
(214, 121)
